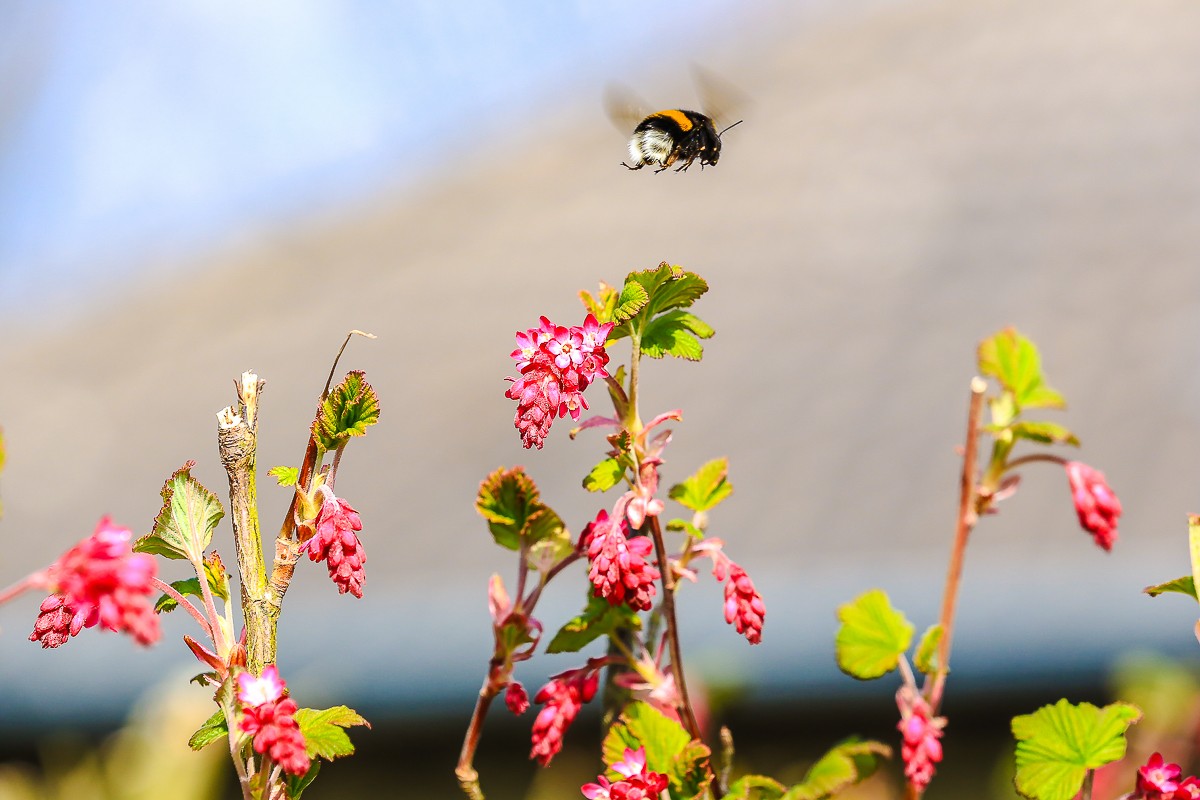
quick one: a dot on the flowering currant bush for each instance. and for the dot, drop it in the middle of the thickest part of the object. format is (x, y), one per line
(109, 580)
(635, 559)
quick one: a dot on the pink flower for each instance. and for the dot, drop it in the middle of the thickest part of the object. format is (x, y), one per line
(1098, 508)
(618, 568)
(649, 685)
(744, 607)
(516, 699)
(270, 718)
(638, 783)
(563, 697)
(1188, 790)
(556, 365)
(336, 543)
(921, 733)
(642, 502)
(100, 581)
(1158, 780)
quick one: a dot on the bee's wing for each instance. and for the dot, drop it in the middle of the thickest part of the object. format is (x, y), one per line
(624, 108)
(719, 98)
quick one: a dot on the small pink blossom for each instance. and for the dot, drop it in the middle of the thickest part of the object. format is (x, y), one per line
(649, 685)
(1158, 780)
(618, 568)
(563, 698)
(1188, 790)
(516, 698)
(1095, 503)
(637, 782)
(744, 607)
(336, 543)
(270, 718)
(921, 733)
(642, 502)
(56, 623)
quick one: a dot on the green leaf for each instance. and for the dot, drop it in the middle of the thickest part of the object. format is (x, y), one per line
(1058, 744)
(543, 524)
(213, 729)
(652, 292)
(633, 299)
(295, 785)
(686, 527)
(1044, 432)
(872, 636)
(349, 409)
(1013, 360)
(1185, 585)
(323, 731)
(849, 762)
(544, 555)
(927, 650)
(507, 499)
(672, 335)
(642, 725)
(605, 475)
(689, 771)
(597, 619)
(166, 604)
(755, 787)
(185, 524)
(705, 489)
(603, 304)
(285, 476)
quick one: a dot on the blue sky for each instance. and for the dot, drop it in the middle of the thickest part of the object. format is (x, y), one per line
(166, 123)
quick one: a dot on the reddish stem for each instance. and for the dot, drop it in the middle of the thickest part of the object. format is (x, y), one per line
(468, 778)
(30, 582)
(186, 605)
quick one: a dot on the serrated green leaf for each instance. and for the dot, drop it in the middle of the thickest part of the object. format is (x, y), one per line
(543, 524)
(605, 475)
(672, 335)
(642, 725)
(1058, 744)
(350, 408)
(603, 304)
(633, 299)
(872, 636)
(323, 731)
(295, 785)
(1185, 585)
(597, 619)
(755, 787)
(1044, 432)
(1013, 360)
(507, 499)
(849, 762)
(706, 488)
(925, 659)
(213, 729)
(185, 524)
(285, 476)
(689, 770)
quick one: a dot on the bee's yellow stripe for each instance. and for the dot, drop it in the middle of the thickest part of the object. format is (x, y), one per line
(678, 117)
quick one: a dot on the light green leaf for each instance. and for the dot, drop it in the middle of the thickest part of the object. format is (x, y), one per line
(597, 619)
(507, 499)
(675, 333)
(1044, 433)
(1058, 744)
(686, 527)
(705, 489)
(849, 762)
(605, 475)
(872, 637)
(927, 650)
(185, 524)
(1185, 585)
(1013, 360)
(323, 731)
(285, 476)
(755, 787)
(214, 728)
(350, 408)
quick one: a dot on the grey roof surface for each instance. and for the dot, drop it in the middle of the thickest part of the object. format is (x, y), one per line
(910, 177)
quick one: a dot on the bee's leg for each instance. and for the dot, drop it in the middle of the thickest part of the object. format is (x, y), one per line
(626, 166)
(661, 169)
(686, 164)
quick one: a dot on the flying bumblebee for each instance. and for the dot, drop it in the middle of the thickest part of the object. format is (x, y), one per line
(675, 135)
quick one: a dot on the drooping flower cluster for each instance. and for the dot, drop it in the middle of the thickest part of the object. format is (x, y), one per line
(563, 697)
(921, 733)
(617, 564)
(744, 607)
(1159, 780)
(1095, 503)
(270, 718)
(637, 782)
(337, 544)
(556, 365)
(99, 581)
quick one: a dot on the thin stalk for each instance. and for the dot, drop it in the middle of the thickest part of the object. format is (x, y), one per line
(668, 608)
(468, 777)
(967, 517)
(31, 582)
(1029, 459)
(1089, 777)
(243, 777)
(186, 605)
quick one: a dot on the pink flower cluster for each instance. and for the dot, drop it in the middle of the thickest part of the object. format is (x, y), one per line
(618, 568)
(563, 697)
(637, 783)
(270, 718)
(99, 581)
(921, 733)
(336, 543)
(744, 607)
(516, 698)
(1157, 780)
(1095, 503)
(556, 365)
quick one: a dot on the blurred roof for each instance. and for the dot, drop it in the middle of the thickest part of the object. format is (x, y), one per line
(911, 176)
